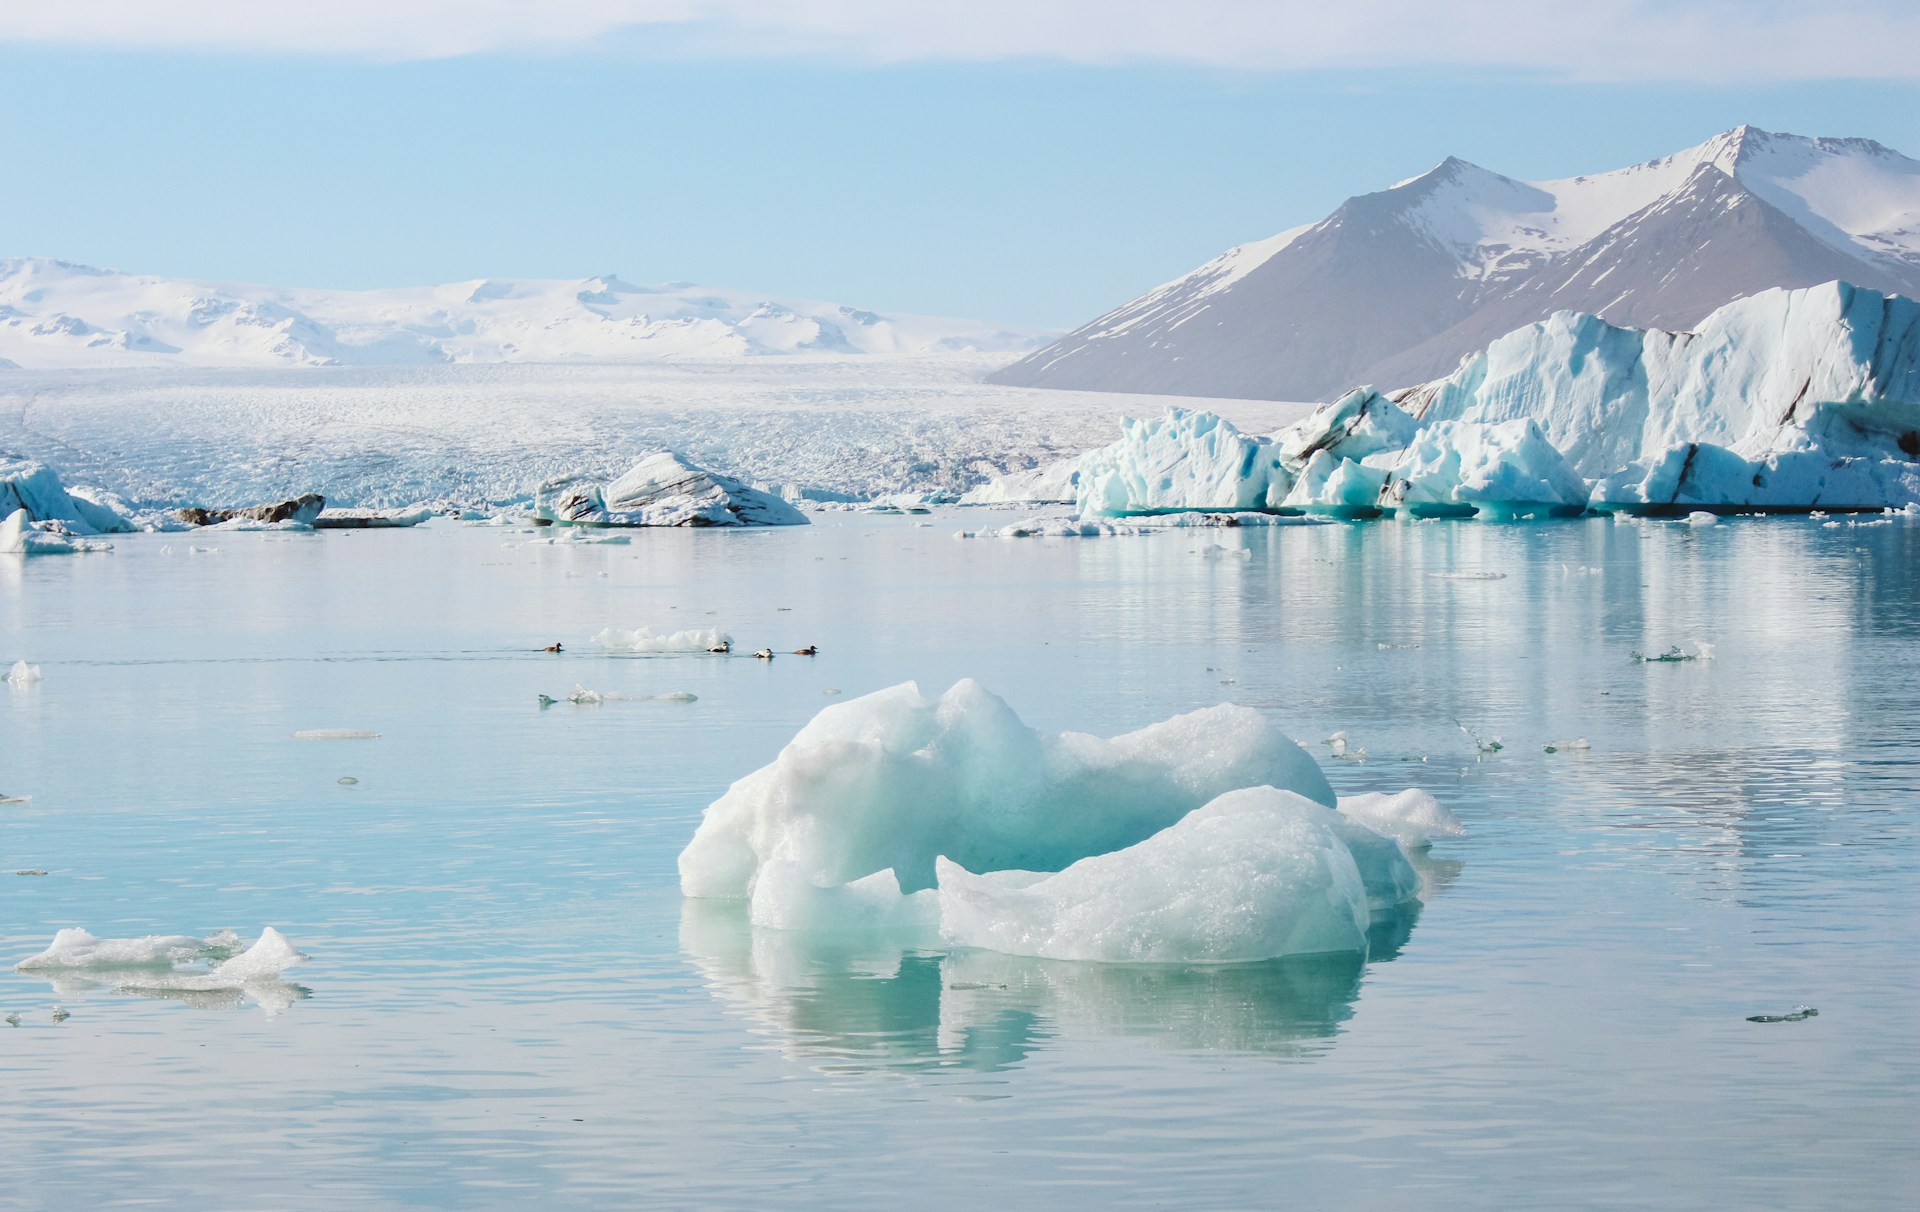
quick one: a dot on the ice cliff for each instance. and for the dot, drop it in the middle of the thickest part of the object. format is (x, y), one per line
(662, 489)
(1210, 837)
(1785, 399)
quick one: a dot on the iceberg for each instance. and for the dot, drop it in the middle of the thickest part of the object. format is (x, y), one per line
(19, 536)
(1056, 483)
(34, 487)
(1186, 460)
(1208, 838)
(371, 519)
(662, 489)
(894, 780)
(22, 675)
(1787, 399)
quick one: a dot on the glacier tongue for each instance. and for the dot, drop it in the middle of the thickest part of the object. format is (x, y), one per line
(1787, 399)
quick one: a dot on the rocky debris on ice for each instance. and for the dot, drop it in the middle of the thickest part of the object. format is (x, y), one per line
(371, 519)
(32, 486)
(1211, 837)
(1787, 399)
(662, 489)
(295, 511)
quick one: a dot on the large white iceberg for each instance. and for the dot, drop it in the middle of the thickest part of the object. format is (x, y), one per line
(1786, 399)
(1210, 837)
(662, 489)
(1184, 460)
(26, 484)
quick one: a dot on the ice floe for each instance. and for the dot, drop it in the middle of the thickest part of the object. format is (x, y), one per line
(662, 489)
(646, 639)
(19, 535)
(219, 971)
(1210, 837)
(22, 675)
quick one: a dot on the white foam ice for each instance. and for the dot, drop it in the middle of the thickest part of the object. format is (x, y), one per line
(646, 639)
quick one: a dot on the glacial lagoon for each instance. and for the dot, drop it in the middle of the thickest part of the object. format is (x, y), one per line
(508, 1001)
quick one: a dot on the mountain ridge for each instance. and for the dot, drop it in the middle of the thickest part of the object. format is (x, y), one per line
(1395, 286)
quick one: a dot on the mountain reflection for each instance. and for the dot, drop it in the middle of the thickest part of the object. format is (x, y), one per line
(861, 1003)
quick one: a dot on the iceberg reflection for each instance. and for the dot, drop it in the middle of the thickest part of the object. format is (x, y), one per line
(867, 1002)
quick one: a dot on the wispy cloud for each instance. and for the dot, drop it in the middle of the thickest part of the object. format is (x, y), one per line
(1753, 41)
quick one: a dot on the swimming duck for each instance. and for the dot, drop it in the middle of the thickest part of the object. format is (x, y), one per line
(724, 646)
(765, 654)
(809, 650)
(553, 647)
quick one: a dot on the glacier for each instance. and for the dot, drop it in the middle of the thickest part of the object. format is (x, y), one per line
(662, 489)
(1211, 837)
(1788, 399)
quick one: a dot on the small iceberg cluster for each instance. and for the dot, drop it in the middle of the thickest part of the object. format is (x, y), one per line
(218, 971)
(663, 489)
(1208, 838)
(1787, 399)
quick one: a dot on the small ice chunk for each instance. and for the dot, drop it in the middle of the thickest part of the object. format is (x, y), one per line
(22, 675)
(1411, 817)
(1337, 742)
(584, 697)
(270, 955)
(1470, 576)
(1701, 517)
(1574, 745)
(335, 734)
(646, 639)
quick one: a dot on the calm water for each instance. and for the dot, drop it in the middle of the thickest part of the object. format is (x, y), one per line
(509, 1001)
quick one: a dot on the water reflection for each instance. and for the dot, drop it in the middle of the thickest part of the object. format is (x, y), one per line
(271, 994)
(859, 1003)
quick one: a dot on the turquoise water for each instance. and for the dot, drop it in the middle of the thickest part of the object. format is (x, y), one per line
(507, 1000)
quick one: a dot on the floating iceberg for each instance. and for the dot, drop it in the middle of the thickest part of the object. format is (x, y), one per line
(371, 519)
(164, 966)
(663, 489)
(1054, 484)
(1185, 460)
(32, 486)
(1211, 837)
(1785, 400)
(22, 675)
(19, 536)
(646, 639)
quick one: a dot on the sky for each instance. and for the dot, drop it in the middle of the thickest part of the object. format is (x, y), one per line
(1033, 162)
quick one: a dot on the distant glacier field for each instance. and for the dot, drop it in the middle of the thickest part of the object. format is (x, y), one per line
(478, 434)
(506, 1000)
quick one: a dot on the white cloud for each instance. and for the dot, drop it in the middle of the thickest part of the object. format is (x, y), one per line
(1717, 40)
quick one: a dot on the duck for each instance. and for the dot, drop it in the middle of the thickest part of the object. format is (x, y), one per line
(809, 650)
(723, 647)
(553, 647)
(765, 654)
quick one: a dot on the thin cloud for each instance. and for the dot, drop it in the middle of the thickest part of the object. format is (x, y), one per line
(1672, 40)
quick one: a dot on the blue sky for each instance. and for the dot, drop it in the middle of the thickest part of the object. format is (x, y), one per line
(1026, 188)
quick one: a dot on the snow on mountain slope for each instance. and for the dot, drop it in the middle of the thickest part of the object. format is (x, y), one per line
(1395, 287)
(55, 315)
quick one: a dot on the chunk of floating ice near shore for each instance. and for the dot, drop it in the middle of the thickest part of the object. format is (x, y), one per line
(1578, 743)
(584, 697)
(646, 639)
(1254, 874)
(335, 734)
(23, 674)
(1701, 517)
(894, 779)
(270, 955)
(1469, 576)
(1411, 817)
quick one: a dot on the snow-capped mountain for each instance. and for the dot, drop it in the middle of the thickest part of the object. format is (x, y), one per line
(54, 314)
(1395, 287)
